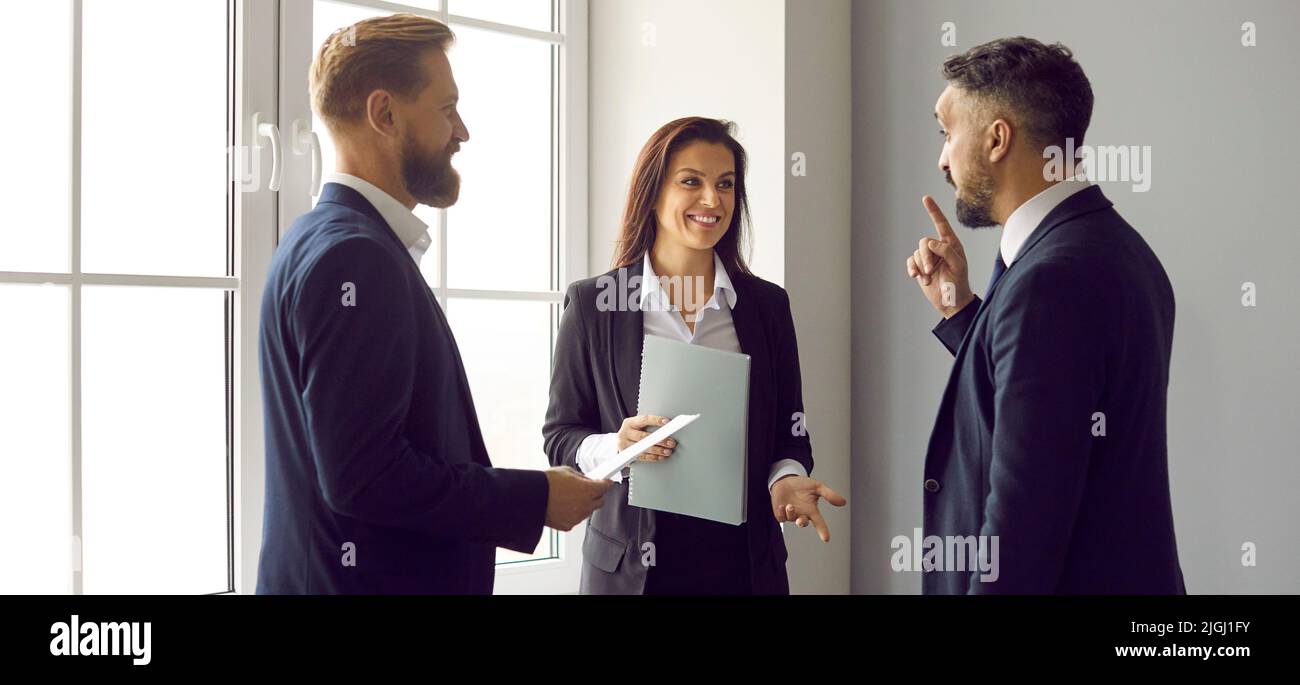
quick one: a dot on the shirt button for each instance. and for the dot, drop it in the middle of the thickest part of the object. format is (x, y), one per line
(932, 485)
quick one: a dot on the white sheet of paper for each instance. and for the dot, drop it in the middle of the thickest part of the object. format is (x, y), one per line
(635, 450)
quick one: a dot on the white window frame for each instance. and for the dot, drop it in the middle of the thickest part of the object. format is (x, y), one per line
(252, 214)
(256, 231)
(292, 26)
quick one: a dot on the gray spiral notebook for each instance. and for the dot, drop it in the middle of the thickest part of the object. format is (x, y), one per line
(706, 474)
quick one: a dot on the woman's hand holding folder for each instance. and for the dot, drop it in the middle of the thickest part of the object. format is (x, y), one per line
(632, 432)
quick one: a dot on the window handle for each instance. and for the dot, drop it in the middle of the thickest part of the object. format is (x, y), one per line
(305, 140)
(266, 129)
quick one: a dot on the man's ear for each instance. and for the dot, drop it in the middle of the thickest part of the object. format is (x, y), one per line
(379, 113)
(999, 139)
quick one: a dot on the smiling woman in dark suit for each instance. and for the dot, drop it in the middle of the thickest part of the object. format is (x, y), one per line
(683, 277)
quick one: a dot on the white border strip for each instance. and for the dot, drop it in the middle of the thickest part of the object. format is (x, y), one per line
(76, 279)
(456, 19)
(74, 329)
(505, 295)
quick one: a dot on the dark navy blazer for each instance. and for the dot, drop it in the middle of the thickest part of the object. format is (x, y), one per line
(1077, 332)
(377, 478)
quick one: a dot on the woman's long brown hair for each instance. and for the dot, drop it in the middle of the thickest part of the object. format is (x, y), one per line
(637, 235)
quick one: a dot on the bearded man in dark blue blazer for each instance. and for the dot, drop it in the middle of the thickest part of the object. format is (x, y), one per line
(377, 477)
(1049, 446)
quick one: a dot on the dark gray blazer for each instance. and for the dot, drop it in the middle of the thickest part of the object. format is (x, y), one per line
(1082, 322)
(594, 384)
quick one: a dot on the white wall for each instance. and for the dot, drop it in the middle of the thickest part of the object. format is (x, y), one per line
(653, 61)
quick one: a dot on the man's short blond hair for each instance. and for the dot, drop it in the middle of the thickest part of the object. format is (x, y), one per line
(378, 53)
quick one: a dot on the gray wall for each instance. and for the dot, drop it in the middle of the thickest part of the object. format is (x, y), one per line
(1220, 119)
(817, 233)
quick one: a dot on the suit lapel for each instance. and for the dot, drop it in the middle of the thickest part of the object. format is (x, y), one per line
(626, 337)
(745, 316)
(749, 327)
(338, 193)
(1088, 200)
(443, 326)
(1083, 202)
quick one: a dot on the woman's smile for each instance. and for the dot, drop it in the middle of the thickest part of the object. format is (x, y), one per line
(704, 221)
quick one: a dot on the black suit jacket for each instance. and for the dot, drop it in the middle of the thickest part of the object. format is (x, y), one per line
(1076, 332)
(371, 434)
(594, 385)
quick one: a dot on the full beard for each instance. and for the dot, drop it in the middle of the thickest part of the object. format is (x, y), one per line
(975, 202)
(430, 179)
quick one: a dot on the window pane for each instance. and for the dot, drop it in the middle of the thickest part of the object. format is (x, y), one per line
(506, 347)
(154, 124)
(499, 232)
(530, 14)
(154, 440)
(37, 53)
(35, 449)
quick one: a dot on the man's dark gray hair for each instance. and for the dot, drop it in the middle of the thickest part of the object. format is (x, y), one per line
(1037, 87)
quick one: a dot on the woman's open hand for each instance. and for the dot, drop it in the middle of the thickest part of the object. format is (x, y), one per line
(794, 498)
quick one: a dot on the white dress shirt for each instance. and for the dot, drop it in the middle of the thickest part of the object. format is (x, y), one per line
(413, 232)
(713, 328)
(1027, 216)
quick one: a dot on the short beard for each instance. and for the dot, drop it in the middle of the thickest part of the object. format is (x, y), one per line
(976, 212)
(430, 179)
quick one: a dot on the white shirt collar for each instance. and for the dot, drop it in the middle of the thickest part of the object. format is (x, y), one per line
(408, 227)
(1022, 222)
(652, 293)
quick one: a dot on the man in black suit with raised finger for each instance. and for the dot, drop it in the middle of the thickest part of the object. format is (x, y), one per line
(1050, 437)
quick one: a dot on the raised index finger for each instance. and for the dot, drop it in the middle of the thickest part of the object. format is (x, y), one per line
(941, 225)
